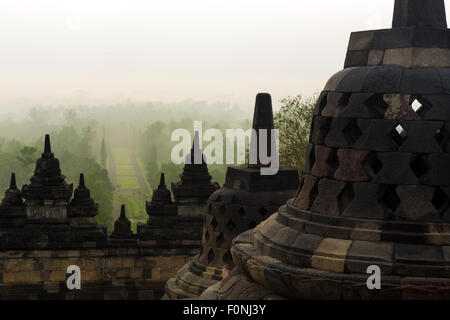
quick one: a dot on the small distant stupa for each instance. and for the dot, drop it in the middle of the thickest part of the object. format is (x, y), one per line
(246, 199)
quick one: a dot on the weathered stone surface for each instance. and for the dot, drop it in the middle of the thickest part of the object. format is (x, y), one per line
(362, 40)
(399, 107)
(327, 200)
(343, 133)
(375, 57)
(310, 158)
(413, 79)
(419, 13)
(421, 137)
(354, 80)
(365, 253)
(439, 109)
(439, 169)
(326, 162)
(384, 79)
(350, 166)
(307, 193)
(336, 79)
(356, 58)
(387, 202)
(364, 105)
(396, 169)
(319, 129)
(413, 259)
(416, 203)
(336, 101)
(376, 135)
(366, 203)
(331, 255)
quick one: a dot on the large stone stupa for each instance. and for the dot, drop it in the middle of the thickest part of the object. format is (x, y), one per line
(377, 186)
(246, 199)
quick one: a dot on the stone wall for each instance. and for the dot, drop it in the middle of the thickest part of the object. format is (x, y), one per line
(109, 273)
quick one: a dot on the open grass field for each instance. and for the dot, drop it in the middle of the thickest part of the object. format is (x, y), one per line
(134, 205)
(130, 190)
(127, 182)
(125, 173)
(125, 170)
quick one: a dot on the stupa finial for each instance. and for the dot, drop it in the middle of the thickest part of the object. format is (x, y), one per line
(162, 181)
(12, 183)
(122, 212)
(81, 183)
(419, 13)
(47, 146)
(262, 119)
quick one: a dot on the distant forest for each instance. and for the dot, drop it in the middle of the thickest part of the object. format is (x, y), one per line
(123, 148)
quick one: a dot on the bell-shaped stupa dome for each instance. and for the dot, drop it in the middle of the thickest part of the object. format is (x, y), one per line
(376, 188)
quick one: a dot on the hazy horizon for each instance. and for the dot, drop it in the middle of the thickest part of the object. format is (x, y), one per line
(111, 51)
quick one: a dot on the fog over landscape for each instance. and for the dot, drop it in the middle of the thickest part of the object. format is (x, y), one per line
(110, 80)
(59, 52)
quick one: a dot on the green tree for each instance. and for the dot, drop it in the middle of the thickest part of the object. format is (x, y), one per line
(294, 123)
(103, 154)
(27, 156)
(74, 153)
(70, 116)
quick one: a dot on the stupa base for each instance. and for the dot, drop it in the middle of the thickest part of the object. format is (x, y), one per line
(192, 280)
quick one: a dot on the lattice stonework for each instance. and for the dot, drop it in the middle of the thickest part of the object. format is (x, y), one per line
(398, 144)
(376, 184)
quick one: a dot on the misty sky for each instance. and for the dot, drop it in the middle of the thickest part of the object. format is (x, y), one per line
(54, 51)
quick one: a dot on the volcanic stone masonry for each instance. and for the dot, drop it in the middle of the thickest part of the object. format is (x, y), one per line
(376, 187)
(246, 199)
(195, 186)
(43, 235)
(175, 226)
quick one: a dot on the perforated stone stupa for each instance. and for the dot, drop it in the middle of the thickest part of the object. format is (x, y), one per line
(376, 187)
(246, 199)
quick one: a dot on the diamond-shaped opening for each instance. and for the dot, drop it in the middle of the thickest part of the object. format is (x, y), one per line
(345, 197)
(420, 106)
(440, 200)
(252, 225)
(416, 105)
(332, 162)
(399, 134)
(372, 164)
(352, 132)
(220, 240)
(210, 256)
(263, 212)
(227, 258)
(222, 209)
(242, 211)
(376, 103)
(322, 102)
(206, 236)
(312, 157)
(320, 128)
(419, 166)
(314, 193)
(230, 225)
(390, 198)
(343, 100)
(442, 136)
(214, 223)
